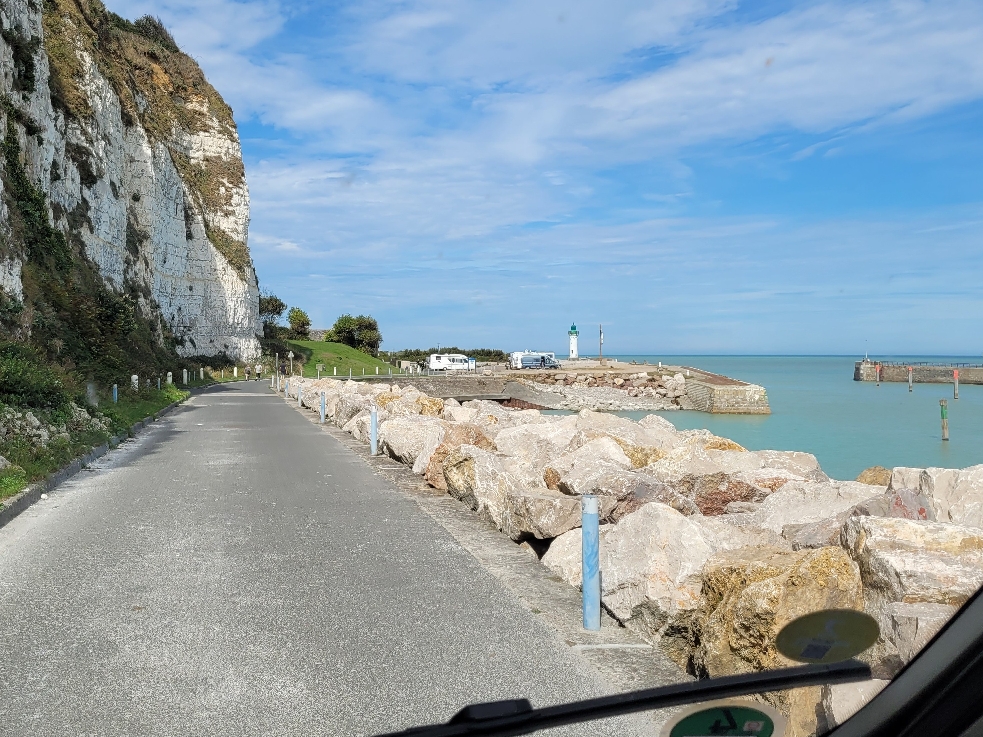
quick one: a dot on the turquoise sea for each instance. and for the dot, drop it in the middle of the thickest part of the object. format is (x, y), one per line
(849, 425)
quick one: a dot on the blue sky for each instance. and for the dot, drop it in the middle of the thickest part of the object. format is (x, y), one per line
(703, 176)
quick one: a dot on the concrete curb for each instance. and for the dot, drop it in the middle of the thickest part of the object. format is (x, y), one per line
(19, 503)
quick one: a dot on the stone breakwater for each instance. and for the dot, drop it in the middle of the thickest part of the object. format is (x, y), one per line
(651, 390)
(606, 390)
(707, 549)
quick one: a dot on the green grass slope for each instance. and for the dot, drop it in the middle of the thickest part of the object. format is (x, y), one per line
(335, 355)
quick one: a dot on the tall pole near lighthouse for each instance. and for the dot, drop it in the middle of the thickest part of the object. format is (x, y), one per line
(600, 344)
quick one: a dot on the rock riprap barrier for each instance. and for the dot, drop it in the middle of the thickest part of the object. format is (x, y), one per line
(608, 390)
(707, 549)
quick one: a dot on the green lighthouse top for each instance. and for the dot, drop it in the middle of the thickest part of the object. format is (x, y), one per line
(573, 329)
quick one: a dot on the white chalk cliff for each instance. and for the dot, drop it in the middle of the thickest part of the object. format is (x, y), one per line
(139, 159)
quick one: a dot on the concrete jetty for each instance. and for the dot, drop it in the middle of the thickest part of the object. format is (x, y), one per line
(921, 373)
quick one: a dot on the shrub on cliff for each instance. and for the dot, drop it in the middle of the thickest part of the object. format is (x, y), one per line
(27, 381)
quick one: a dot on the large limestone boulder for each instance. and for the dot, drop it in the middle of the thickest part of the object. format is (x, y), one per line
(643, 445)
(360, 425)
(348, 405)
(651, 561)
(545, 440)
(904, 560)
(628, 491)
(827, 531)
(799, 502)
(877, 475)
(460, 414)
(405, 438)
(910, 562)
(482, 480)
(564, 556)
(540, 513)
(956, 494)
(911, 626)
(841, 701)
(576, 468)
(455, 435)
(748, 595)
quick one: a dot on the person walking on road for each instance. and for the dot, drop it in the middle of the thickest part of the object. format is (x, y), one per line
(259, 370)
(247, 373)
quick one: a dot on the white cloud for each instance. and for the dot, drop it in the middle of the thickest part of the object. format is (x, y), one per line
(477, 148)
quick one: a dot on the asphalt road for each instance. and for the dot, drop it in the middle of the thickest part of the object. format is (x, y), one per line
(236, 571)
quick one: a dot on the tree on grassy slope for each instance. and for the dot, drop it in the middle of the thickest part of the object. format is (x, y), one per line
(361, 333)
(300, 323)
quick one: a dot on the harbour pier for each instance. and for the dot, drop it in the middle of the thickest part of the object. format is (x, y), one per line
(921, 372)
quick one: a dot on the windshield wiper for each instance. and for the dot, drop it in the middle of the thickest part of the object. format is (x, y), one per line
(517, 716)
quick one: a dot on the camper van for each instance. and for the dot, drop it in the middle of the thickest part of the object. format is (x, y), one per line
(533, 359)
(447, 362)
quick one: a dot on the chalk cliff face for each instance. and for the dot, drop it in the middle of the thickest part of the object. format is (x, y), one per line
(139, 159)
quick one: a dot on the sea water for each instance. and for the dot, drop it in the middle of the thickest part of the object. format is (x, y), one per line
(817, 407)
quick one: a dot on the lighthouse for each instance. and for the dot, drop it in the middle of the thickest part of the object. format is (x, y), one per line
(573, 342)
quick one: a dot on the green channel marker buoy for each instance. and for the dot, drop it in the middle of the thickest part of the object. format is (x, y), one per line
(727, 719)
(829, 636)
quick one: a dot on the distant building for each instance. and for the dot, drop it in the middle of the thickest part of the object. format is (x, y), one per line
(573, 342)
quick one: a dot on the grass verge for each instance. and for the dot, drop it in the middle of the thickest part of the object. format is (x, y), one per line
(33, 462)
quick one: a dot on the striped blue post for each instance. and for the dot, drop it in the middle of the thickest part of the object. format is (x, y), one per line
(115, 394)
(590, 563)
(322, 407)
(374, 430)
(286, 388)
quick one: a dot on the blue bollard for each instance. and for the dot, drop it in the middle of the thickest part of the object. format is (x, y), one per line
(322, 407)
(374, 430)
(115, 394)
(286, 388)
(590, 563)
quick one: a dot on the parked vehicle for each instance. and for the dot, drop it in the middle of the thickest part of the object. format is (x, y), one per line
(533, 359)
(447, 362)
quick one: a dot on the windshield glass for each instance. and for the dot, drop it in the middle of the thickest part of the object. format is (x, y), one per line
(363, 361)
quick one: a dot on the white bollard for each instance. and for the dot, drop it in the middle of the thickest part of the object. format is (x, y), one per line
(201, 374)
(335, 370)
(184, 376)
(135, 383)
(235, 372)
(170, 378)
(299, 394)
(376, 370)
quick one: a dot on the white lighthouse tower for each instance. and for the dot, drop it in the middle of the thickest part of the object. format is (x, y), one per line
(573, 342)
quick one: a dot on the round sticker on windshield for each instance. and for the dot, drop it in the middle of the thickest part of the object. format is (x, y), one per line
(827, 637)
(727, 719)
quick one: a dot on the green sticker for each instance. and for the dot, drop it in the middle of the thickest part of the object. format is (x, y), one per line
(828, 636)
(735, 719)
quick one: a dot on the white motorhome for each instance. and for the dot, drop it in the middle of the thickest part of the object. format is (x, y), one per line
(447, 362)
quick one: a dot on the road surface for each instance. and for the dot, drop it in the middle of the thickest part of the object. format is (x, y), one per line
(237, 571)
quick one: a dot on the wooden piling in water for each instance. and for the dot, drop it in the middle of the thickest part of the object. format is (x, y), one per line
(878, 369)
(955, 383)
(910, 379)
(944, 404)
